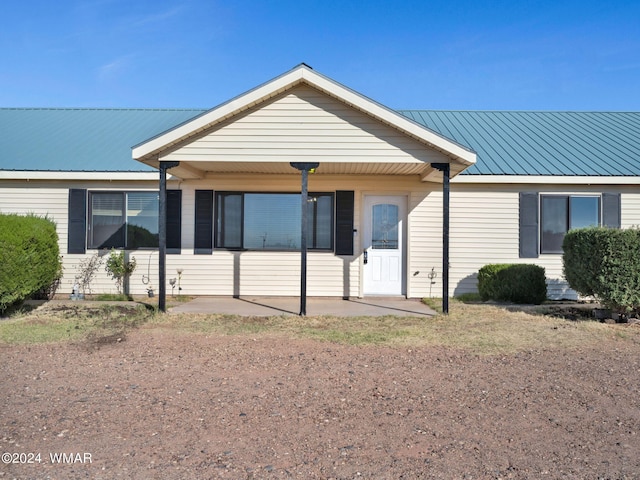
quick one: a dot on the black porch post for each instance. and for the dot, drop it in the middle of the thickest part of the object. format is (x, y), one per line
(303, 244)
(162, 235)
(446, 173)
(305, 168)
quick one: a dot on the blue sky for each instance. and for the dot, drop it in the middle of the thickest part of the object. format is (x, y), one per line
(450, 55)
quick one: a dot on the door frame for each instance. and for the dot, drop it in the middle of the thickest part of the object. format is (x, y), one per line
(404, 243)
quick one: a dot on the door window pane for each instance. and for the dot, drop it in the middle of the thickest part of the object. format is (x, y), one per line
(385, 226)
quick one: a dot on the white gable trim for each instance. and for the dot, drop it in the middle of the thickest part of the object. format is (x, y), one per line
(148, 151)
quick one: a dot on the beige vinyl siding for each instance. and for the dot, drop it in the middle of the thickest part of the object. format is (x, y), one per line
(424, 242)
(304, 125)
(51, 198)
(222, 272)
(262, 273)
(485, 229)
(46, 201)
(259, 273)
(275, 273)
(630, 209)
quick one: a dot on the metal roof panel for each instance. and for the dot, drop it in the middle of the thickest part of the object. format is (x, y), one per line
(79, 139)
(543, 143)
(506, 142)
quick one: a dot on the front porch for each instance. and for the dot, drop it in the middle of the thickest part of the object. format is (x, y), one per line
(316, 306)
(304, 121)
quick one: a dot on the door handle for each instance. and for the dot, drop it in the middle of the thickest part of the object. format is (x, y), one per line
(366, 257)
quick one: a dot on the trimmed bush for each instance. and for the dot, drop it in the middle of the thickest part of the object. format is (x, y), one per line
(517, 283)
(604, 263)
(487, 286)
(29, 257)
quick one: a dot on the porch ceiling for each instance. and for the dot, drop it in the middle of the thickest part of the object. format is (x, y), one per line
(199, 169)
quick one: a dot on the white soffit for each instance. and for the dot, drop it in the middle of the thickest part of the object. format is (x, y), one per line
(146, 152)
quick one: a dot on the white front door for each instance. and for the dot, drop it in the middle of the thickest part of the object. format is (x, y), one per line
(384, 219)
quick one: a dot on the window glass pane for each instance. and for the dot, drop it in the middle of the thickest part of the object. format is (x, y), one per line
(585, 212)
(385, 227)
(229, 220)
(320, 221)
(555, 212)
(271, 221)
(107, 220)
(142, 219)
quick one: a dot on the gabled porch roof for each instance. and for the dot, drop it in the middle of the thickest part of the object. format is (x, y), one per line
(420, 146)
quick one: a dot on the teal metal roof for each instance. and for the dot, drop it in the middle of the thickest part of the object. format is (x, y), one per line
(507, 143)
(80, 139)
(542, 143)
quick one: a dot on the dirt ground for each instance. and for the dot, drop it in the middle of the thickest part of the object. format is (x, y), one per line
(167, 405)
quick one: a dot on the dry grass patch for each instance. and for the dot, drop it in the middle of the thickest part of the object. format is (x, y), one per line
(482, 329)
(93, 323)
(491, 329)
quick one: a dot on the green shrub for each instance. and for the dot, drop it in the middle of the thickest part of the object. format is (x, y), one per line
(517, 283)
(604, 263)
(487, 286)
(29, 258)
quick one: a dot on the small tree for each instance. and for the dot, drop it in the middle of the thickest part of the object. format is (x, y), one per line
(87, 272)
(118, 268)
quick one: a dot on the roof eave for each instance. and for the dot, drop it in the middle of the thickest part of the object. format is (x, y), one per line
(29, 175)
(548, 179)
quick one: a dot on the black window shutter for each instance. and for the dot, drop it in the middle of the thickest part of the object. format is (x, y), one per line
(77, 227)
(611, 210)
(529, 231)
(344, 222)
(203, 240)
(174, 221)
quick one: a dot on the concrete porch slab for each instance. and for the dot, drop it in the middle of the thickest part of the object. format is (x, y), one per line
(316, 306)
